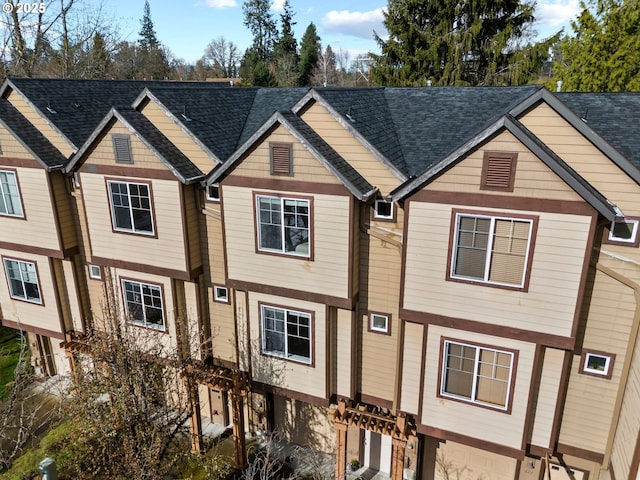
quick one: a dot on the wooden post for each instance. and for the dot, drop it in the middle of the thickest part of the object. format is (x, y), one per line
(341, 451)
(195, 421)
(397, 458)
(238, 430)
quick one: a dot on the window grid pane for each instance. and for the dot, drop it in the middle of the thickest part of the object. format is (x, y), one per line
(144, 304)
(131, 204)
(23, 280)
(283, 225)
(9, 195)
(286, 333)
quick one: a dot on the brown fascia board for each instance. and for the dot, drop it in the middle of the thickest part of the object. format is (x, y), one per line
(588, 193)
(148, 94)
(277, 118)
(313, 94)
(8, 84)
(576, 122)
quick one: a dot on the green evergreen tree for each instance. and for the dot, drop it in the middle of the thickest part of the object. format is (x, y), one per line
(287, 43)
(255, 72)
(99, 58)
(453, 42)
(148, 38)
(258, 19)
(309, 53)
(604, 53)
(285, 57)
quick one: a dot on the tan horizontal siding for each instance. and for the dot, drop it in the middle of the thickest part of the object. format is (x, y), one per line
(39, 229)
(19, 102)
(178, 136)
(547, 397)
(554, 283)
(411, 367)
(166, 251)
(11, 147)
(471, 420)
(350, 148)
(66, 215)
(326, 274)
(343, 366)
(223, 332)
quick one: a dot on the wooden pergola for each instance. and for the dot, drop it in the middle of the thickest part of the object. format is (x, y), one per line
(377, 420)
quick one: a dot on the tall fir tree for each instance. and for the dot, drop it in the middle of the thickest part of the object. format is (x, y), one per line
(453, 42)
(309, 53)
(603, 55)
(148, 38)
(287, 43)
(260, 22)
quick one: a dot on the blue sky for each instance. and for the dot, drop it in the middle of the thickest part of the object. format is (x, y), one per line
(187, 26)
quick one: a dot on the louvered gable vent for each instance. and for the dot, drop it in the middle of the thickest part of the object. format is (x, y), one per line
(122, 148)
(281, 158)
(498, 171)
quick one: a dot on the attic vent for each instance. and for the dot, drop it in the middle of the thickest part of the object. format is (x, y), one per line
(122, 148)
(498, 171)
(50, 109)
(281, 158)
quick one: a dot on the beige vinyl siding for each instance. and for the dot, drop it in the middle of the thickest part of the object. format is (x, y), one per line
(629, 423)
(609, 321)
(548, 393)
(350, 148)
(11, 147)
(533, 179)
(42, 124)
(305, 424)
(302, 378)
(379, 360)
(192, 195)
(66, 215)
(223, 327)
(215, 243)
(554, 283)
(472, 420)
(166, 251)
(44, 316)
(461, 462)
(342, 367)
(39, 229)
(306, 167)
(72, 293)
(102, 152)
(178, 137)
(583, 157)
(411, 367)
(328, 272)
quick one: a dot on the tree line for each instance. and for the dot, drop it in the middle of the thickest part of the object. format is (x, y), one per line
(445, 42)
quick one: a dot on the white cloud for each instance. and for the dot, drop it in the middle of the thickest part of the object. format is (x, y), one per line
(554, 13)
(277, 5)
(220, 3)
(357, 24)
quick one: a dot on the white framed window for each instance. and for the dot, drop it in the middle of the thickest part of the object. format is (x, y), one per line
(131, 207)
(286, 333)
(383, 210)
(625, 232)
(95, 271)
(493, 250)
(379, 322)
(476, 374)
(284, 225)
(10, 203)
(220, 294)
(213, 192)
(143, 302)
(598, 364)
(23, 280)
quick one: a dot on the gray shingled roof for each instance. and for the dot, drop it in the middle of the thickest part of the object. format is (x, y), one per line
(80, 105)
(613, 116)
(30, 137)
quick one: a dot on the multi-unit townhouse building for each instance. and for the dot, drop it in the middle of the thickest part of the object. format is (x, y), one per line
(430, 281)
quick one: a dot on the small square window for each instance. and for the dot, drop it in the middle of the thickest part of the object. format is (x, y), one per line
(625, 232)
(213, 192)
(599, 364)
(379, 322)
(95, 272)
(383, 210)
(221, 294)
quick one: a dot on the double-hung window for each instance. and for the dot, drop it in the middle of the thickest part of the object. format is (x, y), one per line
(23, 280)
(131, 207)
(10, 194)
(491, 249)
(286, 333)
(476, 374)
(143, 303)
(283, 225)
